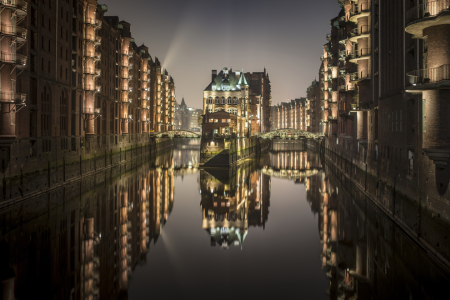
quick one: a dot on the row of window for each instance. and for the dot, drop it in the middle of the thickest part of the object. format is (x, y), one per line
(217, 120)
(222, 100)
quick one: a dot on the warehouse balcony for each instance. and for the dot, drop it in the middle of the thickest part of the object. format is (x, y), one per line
(359, 33)
(425, 15)
(428, 79)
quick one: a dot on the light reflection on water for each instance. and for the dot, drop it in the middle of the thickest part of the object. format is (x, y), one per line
(279, 226)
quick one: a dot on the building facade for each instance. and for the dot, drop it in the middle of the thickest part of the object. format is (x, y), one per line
(384, 82)
(290, 114)
(228, 93)
(74, 83)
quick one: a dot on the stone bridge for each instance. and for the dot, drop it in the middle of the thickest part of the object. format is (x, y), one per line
(289, 173)
(178, 134)
(287, 134)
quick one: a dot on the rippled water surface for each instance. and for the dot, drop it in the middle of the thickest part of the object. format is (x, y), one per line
(282, 225)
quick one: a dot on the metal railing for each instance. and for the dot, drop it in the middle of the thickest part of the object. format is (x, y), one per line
(361, 53)
(364, 29)
(92, 21)
(431, 75)
(13, 30)
(12, 58)
(19, 4)
(13, 97)
(91, 111)
(360, 8)
(328, 37)
(428, 9)
(92, 71)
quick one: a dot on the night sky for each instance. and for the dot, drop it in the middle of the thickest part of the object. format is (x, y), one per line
(193, 37)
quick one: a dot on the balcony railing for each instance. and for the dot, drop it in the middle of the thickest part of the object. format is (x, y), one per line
(360, 9)
(93, 22)
(346, 88)
(432, 75)
(92, 38)
(91, 111)
(428, 9)
(13, 30)
(364, 29)
(328, 37)
(17, 4)
(361, 53)
(13, 97)
(92, 71)
(92, 87)
(11, 58)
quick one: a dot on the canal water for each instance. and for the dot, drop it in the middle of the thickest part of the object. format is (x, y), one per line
(283, 225)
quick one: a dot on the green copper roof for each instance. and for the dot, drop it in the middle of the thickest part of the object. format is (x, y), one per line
(242, 80)
(226, 78)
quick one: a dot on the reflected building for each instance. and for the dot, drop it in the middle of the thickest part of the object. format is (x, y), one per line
(231, 201)
(364, 253)
(83, 241)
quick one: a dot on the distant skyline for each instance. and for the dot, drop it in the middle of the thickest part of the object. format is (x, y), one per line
(193, 37)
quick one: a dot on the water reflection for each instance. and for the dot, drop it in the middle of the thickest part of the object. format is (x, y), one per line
(231, 201)
(364, 253)
(88, 239)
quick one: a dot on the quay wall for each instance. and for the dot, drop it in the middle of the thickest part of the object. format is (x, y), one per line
(412, 208)
(19, 181)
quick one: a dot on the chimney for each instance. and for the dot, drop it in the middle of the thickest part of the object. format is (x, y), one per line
(214, 74)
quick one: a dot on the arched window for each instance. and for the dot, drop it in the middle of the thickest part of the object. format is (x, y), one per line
(235, 100)
(229, 100)
(223, 100)
(229, 110)
(210, 101)
(217, 100)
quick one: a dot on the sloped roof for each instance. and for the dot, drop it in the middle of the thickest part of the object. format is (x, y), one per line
(222, 77)
(242, 80)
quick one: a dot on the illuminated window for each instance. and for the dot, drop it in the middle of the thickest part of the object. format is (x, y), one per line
(217, 100)
(229, 100)
(216, 120)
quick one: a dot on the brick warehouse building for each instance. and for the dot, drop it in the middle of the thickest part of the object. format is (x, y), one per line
(245, 95)
(290, 114)
(384, 90)
(75, 83)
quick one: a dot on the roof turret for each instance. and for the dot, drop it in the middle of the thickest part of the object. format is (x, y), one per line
(242, 80)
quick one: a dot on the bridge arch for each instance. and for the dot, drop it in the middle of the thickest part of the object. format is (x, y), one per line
(178, 133)
(289, 134)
